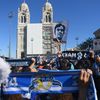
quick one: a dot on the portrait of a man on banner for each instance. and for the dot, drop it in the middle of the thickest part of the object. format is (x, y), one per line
(59, 32)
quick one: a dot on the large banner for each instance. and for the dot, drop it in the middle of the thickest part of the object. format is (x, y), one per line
(76, 55)
(46, 81)
(60, 32)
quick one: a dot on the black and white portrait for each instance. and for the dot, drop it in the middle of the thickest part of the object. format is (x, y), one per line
(59, 32)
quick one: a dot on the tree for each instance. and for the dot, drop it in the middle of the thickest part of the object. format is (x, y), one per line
(86, 44)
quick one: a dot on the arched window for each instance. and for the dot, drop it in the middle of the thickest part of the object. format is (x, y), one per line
(24, 17)
(46, 18)
(21, 44)
(21, 19)
(49, 17)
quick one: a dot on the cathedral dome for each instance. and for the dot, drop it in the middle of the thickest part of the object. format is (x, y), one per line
(48, 6)
(24, 6)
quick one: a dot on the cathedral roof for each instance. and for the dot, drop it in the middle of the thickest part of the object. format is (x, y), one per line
(24, 6)
(48, 6)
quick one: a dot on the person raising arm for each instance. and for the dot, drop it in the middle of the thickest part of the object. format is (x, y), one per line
(32, 66)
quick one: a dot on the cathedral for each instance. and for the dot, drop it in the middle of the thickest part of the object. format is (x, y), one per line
(36, 38)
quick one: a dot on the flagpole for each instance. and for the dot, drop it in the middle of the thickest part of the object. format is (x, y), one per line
(10, 16)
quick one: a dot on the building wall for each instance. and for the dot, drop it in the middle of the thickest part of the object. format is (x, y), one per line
(34, 39)
(96, 41)
(23, 20)
(47, 38)
(96, 44)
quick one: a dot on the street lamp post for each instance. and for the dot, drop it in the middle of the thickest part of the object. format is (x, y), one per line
(77, 38)
(32, 44)
(10, 16)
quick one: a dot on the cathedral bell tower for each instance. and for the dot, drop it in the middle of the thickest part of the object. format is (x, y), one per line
(47, 13)
(23, 20)
(47, 28)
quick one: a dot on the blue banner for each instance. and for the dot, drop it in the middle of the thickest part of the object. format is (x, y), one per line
(47, 81)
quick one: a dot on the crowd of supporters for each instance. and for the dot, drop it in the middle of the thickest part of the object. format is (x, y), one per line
(61, 63)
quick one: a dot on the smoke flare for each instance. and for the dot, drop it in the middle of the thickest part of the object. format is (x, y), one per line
(4, 70)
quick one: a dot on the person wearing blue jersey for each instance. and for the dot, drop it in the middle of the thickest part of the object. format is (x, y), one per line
(62, 63)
